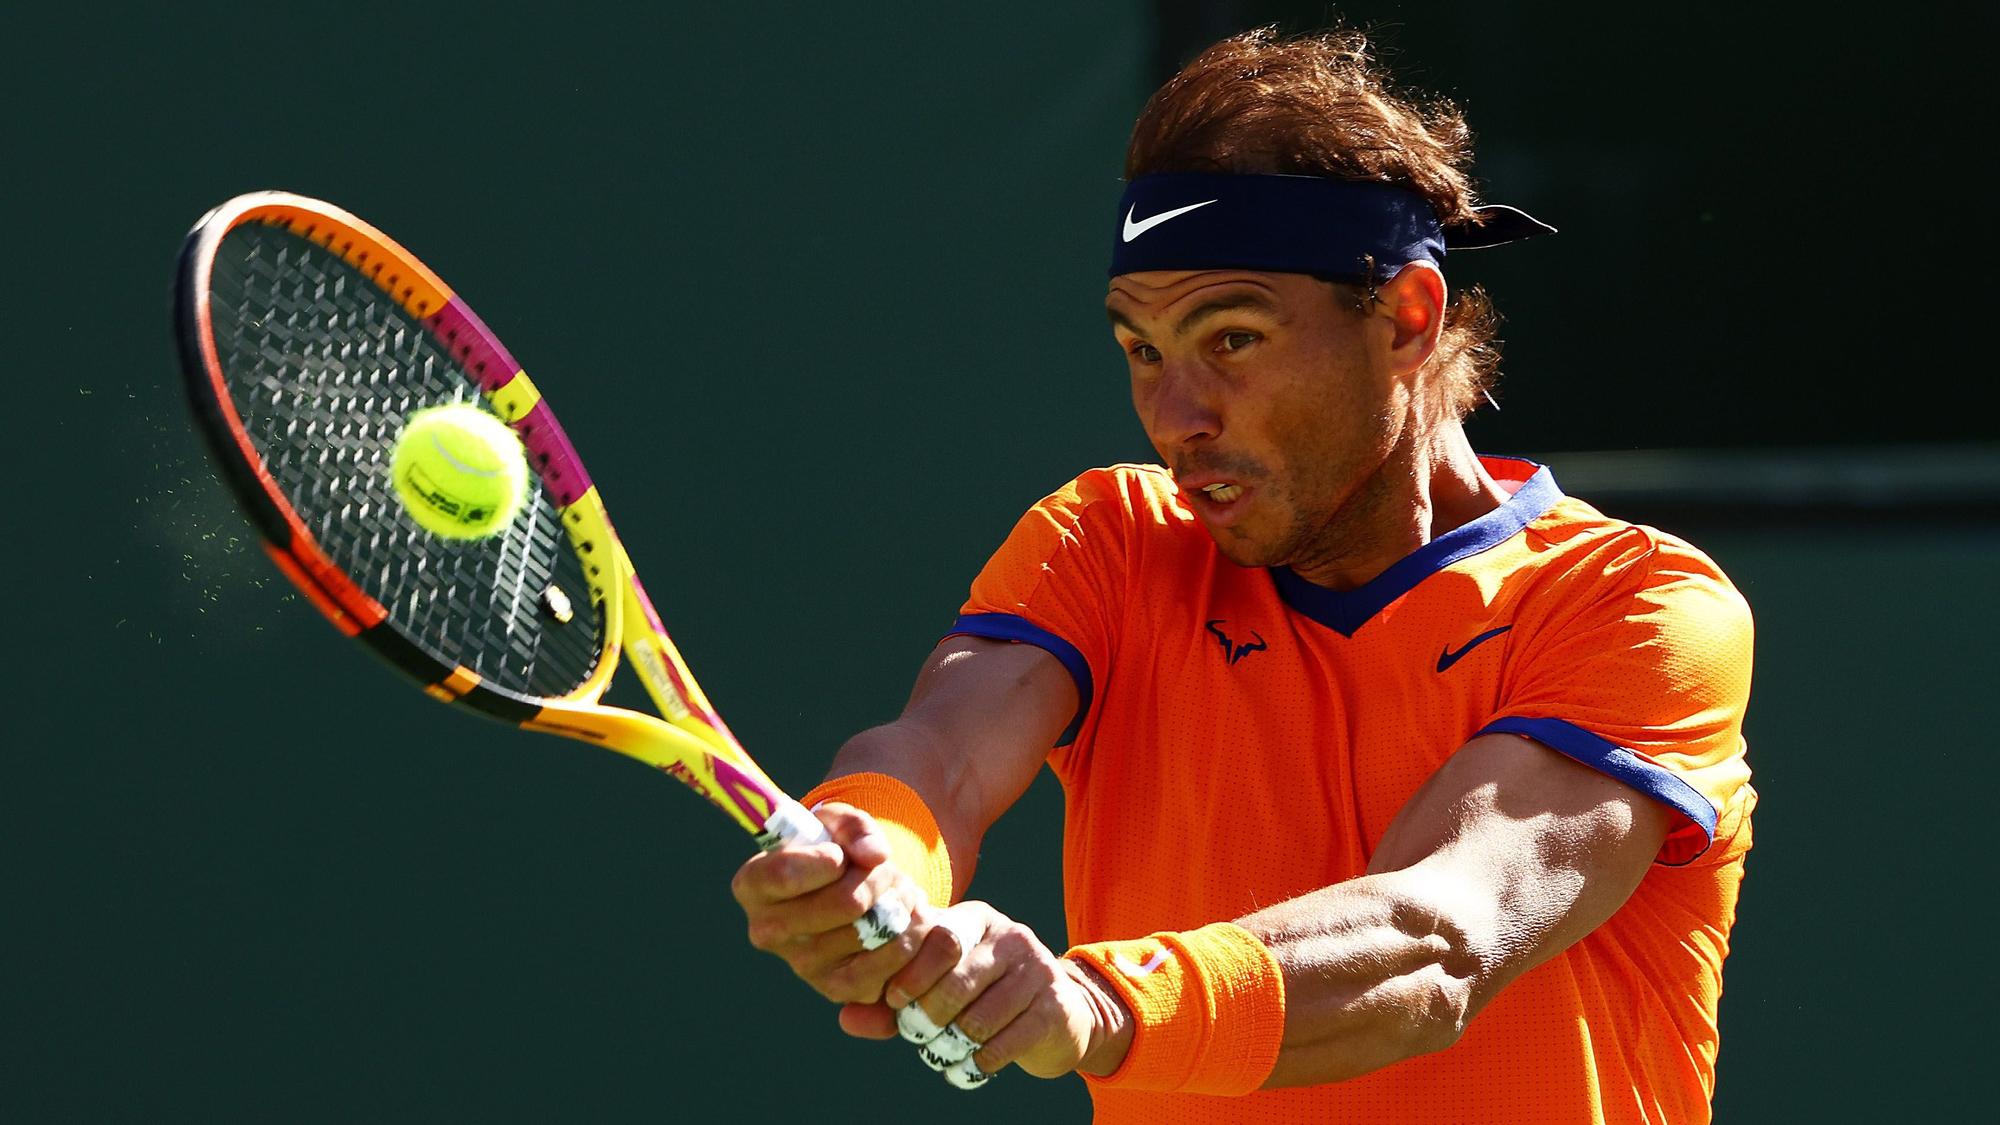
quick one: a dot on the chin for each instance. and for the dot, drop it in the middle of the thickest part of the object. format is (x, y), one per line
(1242, 551)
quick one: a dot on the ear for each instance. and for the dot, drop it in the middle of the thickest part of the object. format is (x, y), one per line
(1414, 302)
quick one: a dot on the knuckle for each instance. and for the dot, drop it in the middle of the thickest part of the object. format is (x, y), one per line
(835, 983)
(955, 989)
(974, 1026)
(907, 947)
(851, 982)
(978, 1028)
(852, 902)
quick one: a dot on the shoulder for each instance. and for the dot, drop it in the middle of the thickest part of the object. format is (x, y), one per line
(1582, 554)
(1124, 495)
(1141, 490)
(1630, 607)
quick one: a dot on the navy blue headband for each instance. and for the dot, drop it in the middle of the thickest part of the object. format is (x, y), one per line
(1293, 224)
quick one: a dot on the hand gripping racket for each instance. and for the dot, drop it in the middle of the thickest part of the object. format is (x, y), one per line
(307, 337)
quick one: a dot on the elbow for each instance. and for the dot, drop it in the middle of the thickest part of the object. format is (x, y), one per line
(1450, 958)
(1439, 1012)
(1422, 1011)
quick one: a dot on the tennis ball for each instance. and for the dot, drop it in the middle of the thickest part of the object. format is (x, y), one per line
(460, 472)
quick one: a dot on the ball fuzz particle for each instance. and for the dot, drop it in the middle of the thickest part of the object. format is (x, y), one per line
(460, 472)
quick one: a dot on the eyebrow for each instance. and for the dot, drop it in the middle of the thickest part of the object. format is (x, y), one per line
(1200, 312)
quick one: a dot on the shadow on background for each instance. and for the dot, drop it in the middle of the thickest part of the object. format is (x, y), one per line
(819, 300)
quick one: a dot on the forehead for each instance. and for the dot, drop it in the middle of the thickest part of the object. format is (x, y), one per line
(1140, 297)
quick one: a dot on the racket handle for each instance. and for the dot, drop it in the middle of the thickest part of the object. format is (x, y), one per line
(793, 823)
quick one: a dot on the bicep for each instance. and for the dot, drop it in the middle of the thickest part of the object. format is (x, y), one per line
(979, 723)
(1526, 850)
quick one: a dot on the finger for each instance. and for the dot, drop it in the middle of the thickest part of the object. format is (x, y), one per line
(858, 977)
(775, 876)
(814, 956)
(868, 1021)
(915, 1026)
(1002, 1003)
(959, 986)
(855, 832)
(832, 907)
(953, 1044)
(1025, 1033)
(966, 1075)
(948, 1048)
(945, 943)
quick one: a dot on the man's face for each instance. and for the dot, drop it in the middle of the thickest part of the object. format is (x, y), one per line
(1265, 394)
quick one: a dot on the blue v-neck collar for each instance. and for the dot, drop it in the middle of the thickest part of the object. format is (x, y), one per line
(1344, 611)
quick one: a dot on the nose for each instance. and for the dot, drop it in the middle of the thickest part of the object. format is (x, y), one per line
(1180, 408)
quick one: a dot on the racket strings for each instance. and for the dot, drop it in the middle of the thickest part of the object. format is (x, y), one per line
(323, 367)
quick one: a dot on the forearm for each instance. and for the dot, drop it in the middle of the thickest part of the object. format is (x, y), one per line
(977, 727)
(914, 754)
(1376, 970)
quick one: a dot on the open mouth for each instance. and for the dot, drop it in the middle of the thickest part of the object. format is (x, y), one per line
(1220, 503)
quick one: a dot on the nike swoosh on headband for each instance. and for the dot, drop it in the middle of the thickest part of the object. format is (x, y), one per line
(1134, 230)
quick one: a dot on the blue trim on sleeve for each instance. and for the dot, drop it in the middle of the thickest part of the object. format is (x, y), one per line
(1620, 764)
(1344, 611)
(1009, 627)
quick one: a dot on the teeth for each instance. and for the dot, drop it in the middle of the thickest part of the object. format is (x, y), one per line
(1223, 493)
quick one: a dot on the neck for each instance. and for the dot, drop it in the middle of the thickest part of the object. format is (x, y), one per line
(1428, 485)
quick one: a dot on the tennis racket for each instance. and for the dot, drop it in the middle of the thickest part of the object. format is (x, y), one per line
(306, 338)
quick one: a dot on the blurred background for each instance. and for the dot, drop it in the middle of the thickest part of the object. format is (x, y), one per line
(818, 294)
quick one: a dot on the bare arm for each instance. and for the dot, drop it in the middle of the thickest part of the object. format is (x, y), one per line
(977, 727)
(978, 724)
(1506, 856)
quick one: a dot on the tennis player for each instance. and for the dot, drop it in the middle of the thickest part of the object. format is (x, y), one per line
(1400, 786)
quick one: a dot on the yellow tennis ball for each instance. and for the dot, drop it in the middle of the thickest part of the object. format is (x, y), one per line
(460, 472)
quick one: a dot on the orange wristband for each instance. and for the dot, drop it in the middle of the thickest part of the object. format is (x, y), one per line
(1208, 1008)
(915, 844)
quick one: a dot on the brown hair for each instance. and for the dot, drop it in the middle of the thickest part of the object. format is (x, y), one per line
(1318, 106)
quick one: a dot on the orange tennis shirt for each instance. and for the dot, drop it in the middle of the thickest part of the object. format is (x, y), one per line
(1245, 737)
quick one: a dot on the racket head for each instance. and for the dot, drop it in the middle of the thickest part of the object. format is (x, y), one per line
(306, 337)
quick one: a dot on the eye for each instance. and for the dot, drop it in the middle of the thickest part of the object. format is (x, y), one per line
(1236, 340)
(1144, 352)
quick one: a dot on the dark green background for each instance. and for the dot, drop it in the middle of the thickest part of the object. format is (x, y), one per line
(818, 296)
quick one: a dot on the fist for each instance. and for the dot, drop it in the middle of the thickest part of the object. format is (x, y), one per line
(1008, 998)
(801, 902)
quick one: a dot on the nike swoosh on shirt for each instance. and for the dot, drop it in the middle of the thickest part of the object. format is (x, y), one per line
(1134, 230)
(1133, 969)
(1447, 658)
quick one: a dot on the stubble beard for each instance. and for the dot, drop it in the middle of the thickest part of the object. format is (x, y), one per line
(1311, 539)
(1338, 536)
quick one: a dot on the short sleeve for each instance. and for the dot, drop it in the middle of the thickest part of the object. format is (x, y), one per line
(1058, 582)
(1642, 671)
